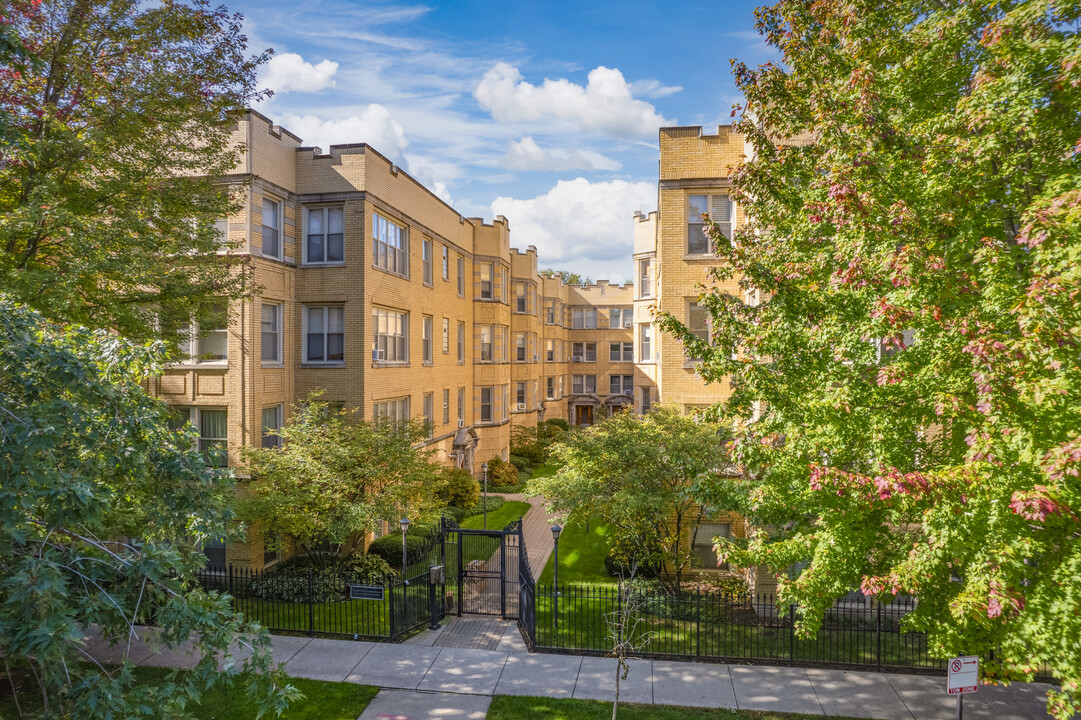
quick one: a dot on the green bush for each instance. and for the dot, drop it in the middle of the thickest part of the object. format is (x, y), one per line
(530, 444)
(389, 547)
(457, 514)
(559, 423)
(458, 488)
(288, 581)
(502, 473)
(494, 503)
(521, 463)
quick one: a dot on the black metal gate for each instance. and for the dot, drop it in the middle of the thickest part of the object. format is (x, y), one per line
(483, 564)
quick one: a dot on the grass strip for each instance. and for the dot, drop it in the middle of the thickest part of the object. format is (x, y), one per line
(508, 707)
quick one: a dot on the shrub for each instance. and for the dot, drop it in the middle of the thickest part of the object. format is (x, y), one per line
(521, 463)
(389, 547)
(457, 514)
(559, 423)
(288, 580)
(530, 444)
(502, 473)
(458, 488)
(494, 503)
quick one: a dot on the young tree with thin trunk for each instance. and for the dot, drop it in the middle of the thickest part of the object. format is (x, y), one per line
(914, 238)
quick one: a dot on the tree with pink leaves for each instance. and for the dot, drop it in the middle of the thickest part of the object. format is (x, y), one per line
(906, 392)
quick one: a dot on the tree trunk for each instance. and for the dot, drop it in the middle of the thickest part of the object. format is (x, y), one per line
(615, 703)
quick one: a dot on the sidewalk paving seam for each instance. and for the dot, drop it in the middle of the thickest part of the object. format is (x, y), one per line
(814, 689)
(898, 694)
(732, 680)
(502, 670)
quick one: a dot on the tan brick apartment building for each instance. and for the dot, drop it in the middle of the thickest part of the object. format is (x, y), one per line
(369, 287)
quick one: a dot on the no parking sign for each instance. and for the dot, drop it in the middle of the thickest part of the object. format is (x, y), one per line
(963, 675)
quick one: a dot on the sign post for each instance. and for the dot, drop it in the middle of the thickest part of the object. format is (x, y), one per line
(962, 677)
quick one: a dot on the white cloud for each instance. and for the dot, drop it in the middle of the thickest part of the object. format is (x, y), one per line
(527, 155)
(289, 72)
(580, 225)
(605, 105)
(654, 89)
(374, 126)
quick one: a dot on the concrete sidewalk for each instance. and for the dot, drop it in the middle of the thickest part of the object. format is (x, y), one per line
(512, 671)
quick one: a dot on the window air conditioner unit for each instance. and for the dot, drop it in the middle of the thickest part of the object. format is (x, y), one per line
(521, 406)
(377, 355)
(461, 422)
(577, 358)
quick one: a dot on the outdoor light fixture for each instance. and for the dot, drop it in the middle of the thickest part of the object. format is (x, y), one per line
(484, 472)
(404, 522)
(556, 530)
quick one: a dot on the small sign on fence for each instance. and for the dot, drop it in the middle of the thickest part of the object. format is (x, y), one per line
(963, 675)
(365, 592)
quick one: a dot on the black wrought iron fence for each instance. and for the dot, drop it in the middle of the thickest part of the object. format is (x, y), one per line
(724, 627)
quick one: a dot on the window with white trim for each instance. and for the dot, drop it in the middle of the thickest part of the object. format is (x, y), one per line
(519, 395)
(621, 385)
(389, 246)
(396, 409)
(272, 422)
(461, 343)
(703, 543)
(271, 243)
(584, 352)
(550, 349)
(461, 276)
(720, 210)
(620, 317)
(486, 394)
(390, 336)
(324, 241)
(324, 334)
(486, 291)
(504, 285)
(446, 406)
(486, 354)
(429, 414)
(520, 346)
(213, 429)
(426, 258)
(550, 386)
(645, 343)
(697, 324)
(270, 339)
(645, 276)
(519, 297)
(446, 263)
(461, 406)
(446, 336)
(583, 318)
(581, 384)
(621, 352)
(426, 339)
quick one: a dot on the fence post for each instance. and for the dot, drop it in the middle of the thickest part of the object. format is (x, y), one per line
(230, 578)
(390, 604)
(791, 634)
(878, 635)
(460, 574)
(311, 605)
(698, 623)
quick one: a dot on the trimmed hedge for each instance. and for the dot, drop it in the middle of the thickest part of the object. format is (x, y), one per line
(494, 503)
(389, 547)
(288, 580)
(456, 514)
(502, 473)
(459, 488)
(559, 423)
(521, 463)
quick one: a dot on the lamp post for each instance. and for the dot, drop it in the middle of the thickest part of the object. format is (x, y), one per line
(556, 530)
(484, 473)
(404, 522)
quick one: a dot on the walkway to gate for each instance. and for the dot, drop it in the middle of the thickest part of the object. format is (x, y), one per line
(536, 530)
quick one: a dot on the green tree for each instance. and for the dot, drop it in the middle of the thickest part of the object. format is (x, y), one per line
(87, 460)
(571, 278)
(917, 252)
(639, 475)
(335, 479)
(116, 118)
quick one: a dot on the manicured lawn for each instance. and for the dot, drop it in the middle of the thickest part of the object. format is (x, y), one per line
(499, 519)
(545, 470)
(507, 707)
(581, 555)
(321, 701)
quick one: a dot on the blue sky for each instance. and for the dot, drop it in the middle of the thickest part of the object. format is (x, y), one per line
(546, 113)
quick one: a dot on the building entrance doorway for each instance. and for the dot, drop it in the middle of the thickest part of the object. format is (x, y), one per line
(583, 415)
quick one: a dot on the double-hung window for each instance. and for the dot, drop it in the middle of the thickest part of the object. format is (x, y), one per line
(519, 395)
(461, 406)
(703, 543)
(551, 388)
(446, 335)
(621, 385)
(426, 257)
(520, 346)
(389, 246)
(390, 336)
(698, 324)
(584, 351)
(519, 297)
(461, 343)
(324, 334)
(213, 429)
(486, 281)
(271, 336)
(621, 352)
(271, 242)
(485, 343)
(426, 338)
(550, 350)
(583, 384)
(396, 410)
(583, 318)
(272, 422)
(429, 414)
(645, 285)
(446, 406)
(212, 335)
(646, 342)
(324, 241)
(620, 317)
(446, 263)
(486, 404)
(719, 208)
(461, 277)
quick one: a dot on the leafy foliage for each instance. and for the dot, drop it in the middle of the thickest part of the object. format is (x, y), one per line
(335, 479)
(87, 460)
(389, 547)
(501, 473)
(917, 252)
(458, 488)
(639, 475)
(300, 580)
(116, 119)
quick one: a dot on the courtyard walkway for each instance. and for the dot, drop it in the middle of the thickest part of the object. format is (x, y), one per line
(536, 530)
(431, 681)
